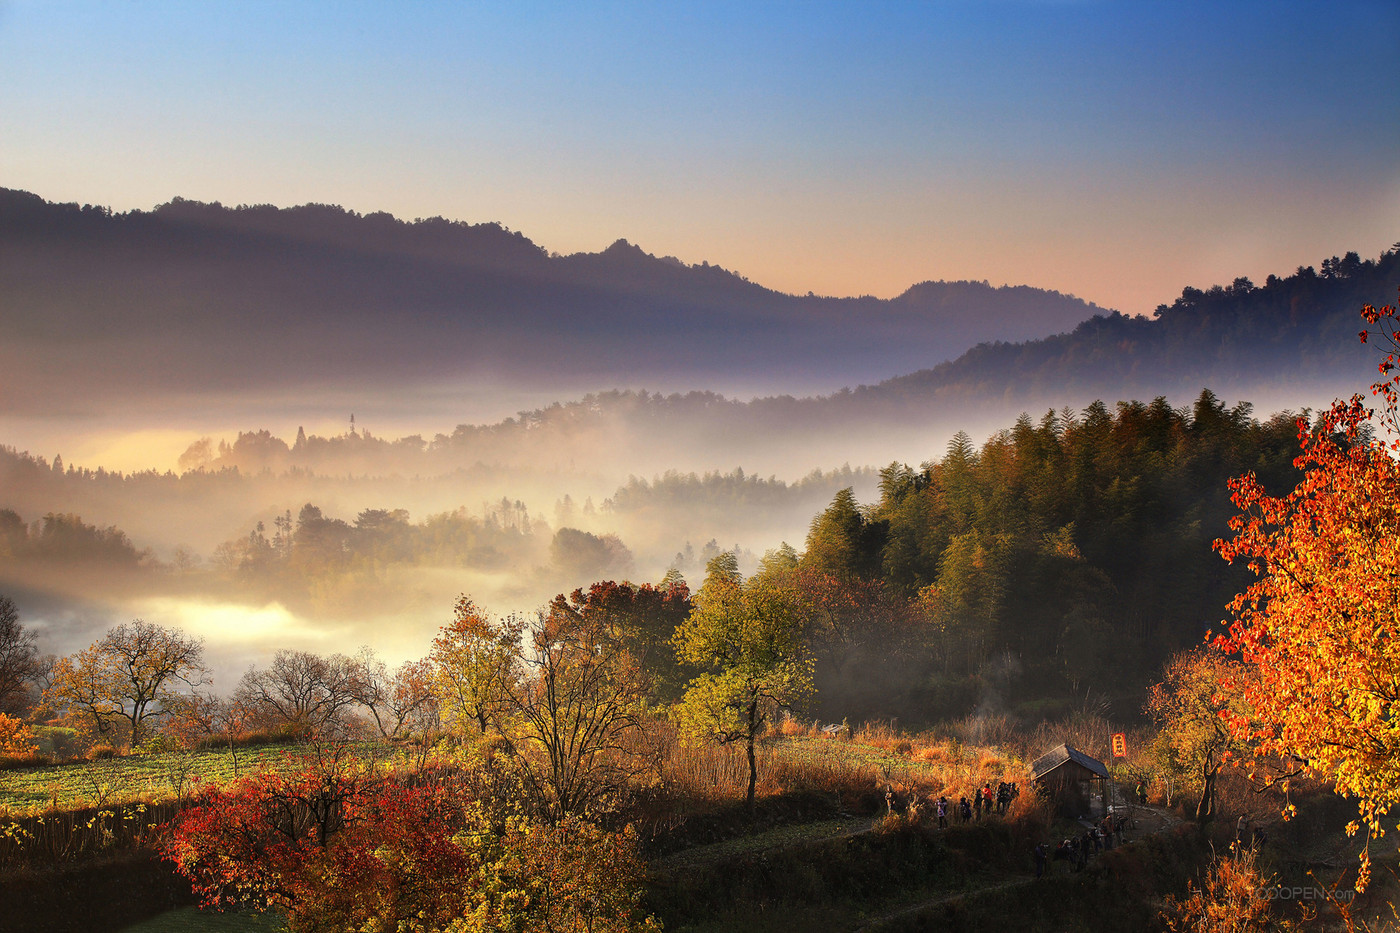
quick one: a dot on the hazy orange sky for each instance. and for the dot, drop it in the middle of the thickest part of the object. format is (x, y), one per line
(1116, 151)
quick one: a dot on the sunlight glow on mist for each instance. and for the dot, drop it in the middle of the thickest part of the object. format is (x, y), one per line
(237, 636)
(228, 624)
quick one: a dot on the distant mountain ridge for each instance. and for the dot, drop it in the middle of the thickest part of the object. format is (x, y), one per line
(1286, 338)
(1291, 330)
(195, 298)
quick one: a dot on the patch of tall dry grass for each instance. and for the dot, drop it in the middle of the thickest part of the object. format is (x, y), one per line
(879, 763)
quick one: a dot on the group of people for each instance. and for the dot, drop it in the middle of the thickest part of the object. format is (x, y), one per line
(1077, 850)
(984, 800)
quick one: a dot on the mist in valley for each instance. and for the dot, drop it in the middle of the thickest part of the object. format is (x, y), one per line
(304, 428)
(256, 542)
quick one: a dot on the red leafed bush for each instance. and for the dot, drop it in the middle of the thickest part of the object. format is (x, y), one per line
(337, 849)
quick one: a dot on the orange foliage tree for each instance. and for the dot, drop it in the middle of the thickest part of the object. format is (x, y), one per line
(16, 741)
(1188, 704)
(402, 701)
(1320, 623)
(136, 673)
(577, 716)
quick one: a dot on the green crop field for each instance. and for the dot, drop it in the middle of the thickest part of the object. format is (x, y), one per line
(163, 776)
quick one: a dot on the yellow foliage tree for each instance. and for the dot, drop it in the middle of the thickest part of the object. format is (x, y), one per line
(747, 638)
(473, 665)
(1200, 691)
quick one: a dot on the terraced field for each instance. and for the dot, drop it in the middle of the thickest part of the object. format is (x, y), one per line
(114, 781)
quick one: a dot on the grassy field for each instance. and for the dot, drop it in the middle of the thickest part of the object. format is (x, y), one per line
(938, 767)
(793, 760)
(64, 814)
(872, 762)
(114, 781)
(194, 920)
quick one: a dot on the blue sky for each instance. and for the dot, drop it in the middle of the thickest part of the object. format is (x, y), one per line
(1118, 151)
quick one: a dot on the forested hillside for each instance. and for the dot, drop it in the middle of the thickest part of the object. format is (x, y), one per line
(1067, 557)
(1292, 330)
(1060, 562)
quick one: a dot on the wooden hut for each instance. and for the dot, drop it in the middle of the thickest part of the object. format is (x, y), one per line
(1072, 779)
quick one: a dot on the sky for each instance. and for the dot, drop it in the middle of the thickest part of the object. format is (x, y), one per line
(1115, 151)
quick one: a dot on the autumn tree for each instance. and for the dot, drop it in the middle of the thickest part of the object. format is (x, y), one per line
(336, 847)
(19, 660)
(400, 701)
(747, 640)
(16, 738)
(1320, 622)
(302, 691)
(1199, 689)
(194, 717)
(642, 619)
(136, 672)
(474, 661)
(200, 716)
(576, 711)
(857, 632)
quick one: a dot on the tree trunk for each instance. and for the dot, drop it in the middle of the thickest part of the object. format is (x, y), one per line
(753, 763)
(1205, 807)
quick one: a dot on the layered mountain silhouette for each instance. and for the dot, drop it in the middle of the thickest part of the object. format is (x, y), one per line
(195, 300)
(199, 299)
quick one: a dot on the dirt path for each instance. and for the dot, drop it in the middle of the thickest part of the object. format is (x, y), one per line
(780, 837)
(1150, 820)
(877, 922)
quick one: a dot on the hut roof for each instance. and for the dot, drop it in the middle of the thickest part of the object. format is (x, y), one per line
(1062, 754)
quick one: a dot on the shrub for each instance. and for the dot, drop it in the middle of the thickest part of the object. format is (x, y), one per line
(11, 762)
(793, 726)
(101, 753)
(282, 734)
(337, 848)
(158, 744)
(16, 741)
(57, 741)
(1227, 900)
